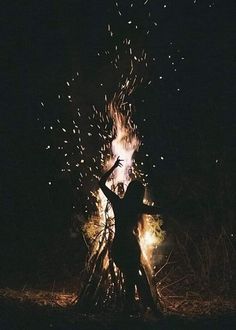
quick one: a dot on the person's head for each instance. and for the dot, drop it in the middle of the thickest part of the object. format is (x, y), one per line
(135, 192)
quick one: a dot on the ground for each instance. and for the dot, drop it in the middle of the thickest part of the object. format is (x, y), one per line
(54, 310)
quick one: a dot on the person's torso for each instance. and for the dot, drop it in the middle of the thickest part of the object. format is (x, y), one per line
(126, 218)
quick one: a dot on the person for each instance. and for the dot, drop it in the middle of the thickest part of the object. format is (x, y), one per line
(125, 249)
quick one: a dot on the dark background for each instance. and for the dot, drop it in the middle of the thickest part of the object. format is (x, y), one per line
(43, 45)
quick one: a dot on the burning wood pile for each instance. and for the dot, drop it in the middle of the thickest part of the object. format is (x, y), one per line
(102, 283)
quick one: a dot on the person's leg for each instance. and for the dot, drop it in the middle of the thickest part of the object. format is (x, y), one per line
(145, 291)
(129, 291)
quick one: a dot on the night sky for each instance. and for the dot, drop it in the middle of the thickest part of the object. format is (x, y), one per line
(185, 114)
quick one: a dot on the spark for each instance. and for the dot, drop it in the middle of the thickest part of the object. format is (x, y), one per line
(117, 133)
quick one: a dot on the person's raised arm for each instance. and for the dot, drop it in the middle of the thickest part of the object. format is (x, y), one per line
(102, 182)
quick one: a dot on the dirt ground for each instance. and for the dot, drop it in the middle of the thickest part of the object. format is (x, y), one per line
(37, 310)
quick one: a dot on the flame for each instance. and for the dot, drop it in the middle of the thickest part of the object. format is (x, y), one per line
(149, 238)
(124, 144)
(100, 228)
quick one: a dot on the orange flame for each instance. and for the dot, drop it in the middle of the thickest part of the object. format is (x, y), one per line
(124, 145)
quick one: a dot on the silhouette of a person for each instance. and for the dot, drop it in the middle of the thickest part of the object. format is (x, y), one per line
(125, 249)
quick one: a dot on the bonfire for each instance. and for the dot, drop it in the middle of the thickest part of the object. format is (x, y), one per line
(102, 283)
